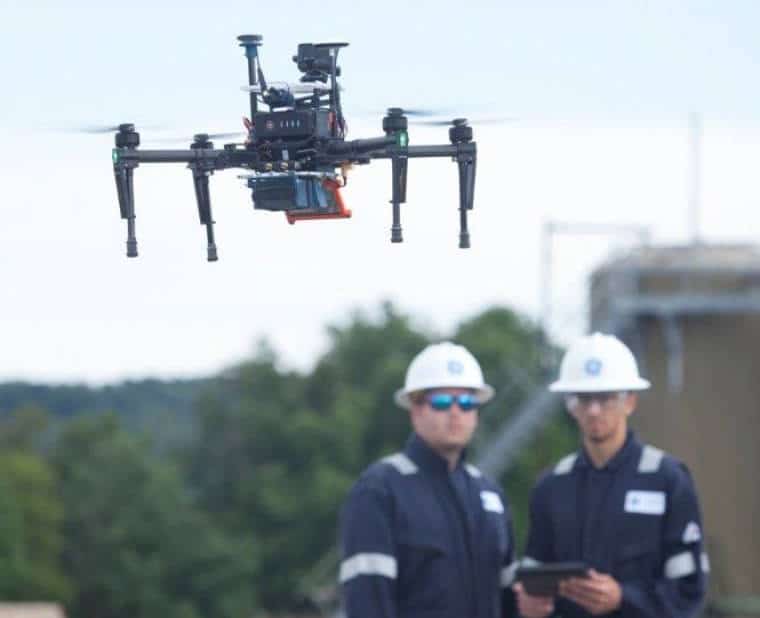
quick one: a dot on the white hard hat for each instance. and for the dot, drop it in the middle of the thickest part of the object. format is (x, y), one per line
(598, 363)
(443, 365)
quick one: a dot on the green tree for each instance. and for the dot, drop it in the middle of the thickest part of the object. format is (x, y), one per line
(30, 492)
(366, 363)
(277, 451)
(12, 551)
(266, 463)
(136, 546)
(508, 348)
(27, 428)
(32, 515)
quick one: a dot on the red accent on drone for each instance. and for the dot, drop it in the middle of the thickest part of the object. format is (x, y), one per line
(337, 210)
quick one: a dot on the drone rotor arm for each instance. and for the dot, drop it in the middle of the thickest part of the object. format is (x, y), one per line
(358, 147)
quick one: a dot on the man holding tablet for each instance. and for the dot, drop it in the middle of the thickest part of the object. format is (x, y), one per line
(624, 511)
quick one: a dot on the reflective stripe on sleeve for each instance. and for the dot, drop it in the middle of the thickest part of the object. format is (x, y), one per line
(508, 574)
(367, 564)
(680, 565)
(704, 562)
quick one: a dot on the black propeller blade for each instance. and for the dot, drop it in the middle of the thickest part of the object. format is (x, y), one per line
(207, 136)
(476, 121)
(100, 129)
(417, 112)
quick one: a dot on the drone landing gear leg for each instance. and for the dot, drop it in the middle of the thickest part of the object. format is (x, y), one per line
(125, 190)
(466, 163)
(398, 166)
(200, 181)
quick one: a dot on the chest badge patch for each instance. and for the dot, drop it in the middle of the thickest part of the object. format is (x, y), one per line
(645, 502)
(491, 501)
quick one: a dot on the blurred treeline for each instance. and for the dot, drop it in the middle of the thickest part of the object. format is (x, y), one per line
(219, 497)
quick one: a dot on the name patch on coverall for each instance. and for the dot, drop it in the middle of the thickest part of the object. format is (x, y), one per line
(645, 502)
(491, 501)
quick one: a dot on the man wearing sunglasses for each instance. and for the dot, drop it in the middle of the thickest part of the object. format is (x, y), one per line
(423, 533)
(627, 510)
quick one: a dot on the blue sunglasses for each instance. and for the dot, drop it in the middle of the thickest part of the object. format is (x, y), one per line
(441, 402)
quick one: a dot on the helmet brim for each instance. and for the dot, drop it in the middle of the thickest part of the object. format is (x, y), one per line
(586, 386)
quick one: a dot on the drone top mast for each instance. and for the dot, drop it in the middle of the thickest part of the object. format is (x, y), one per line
(251, 43)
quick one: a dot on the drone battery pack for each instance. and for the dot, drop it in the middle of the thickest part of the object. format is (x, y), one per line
(299, 196)
(291, 124)
(336, 209)
(276, 192)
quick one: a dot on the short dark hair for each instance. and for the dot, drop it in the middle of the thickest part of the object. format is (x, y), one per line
(417, 397)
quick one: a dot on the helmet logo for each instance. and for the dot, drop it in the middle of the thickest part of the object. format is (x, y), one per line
(455, 367)
(593, 367)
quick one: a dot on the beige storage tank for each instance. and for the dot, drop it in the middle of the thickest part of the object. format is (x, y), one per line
(692, 316)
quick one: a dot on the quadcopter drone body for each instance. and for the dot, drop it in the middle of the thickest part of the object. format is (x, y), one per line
(296, 156)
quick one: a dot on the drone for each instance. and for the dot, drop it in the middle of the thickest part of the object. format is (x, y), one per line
(296, 158)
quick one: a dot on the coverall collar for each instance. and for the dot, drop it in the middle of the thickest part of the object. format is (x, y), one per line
(426, 458)
(630, 447)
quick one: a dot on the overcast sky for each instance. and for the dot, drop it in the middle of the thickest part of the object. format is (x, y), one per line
(600, 92)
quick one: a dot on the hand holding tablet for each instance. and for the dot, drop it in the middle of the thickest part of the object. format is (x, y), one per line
(543, 580)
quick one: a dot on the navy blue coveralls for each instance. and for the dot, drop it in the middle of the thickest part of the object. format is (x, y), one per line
(421, 541)
(636, 519)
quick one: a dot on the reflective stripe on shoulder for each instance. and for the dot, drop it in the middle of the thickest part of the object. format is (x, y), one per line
(367, 564)
(651, 458)
(507, 577)
(401, 462)
(473, 471)
(680, 565)
(565, 464)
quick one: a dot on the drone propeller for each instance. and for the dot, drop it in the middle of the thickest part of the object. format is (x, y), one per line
(477, 121)
(409, 112)
(100, 129)
(205, 136)
(416, 112)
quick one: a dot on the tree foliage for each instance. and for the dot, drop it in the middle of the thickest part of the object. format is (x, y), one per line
(30, 530)
(135, 544)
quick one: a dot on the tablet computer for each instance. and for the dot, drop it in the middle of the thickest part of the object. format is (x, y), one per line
(542, 580)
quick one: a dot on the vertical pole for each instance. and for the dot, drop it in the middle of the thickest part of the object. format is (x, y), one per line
(695, 188)
(547, 232)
